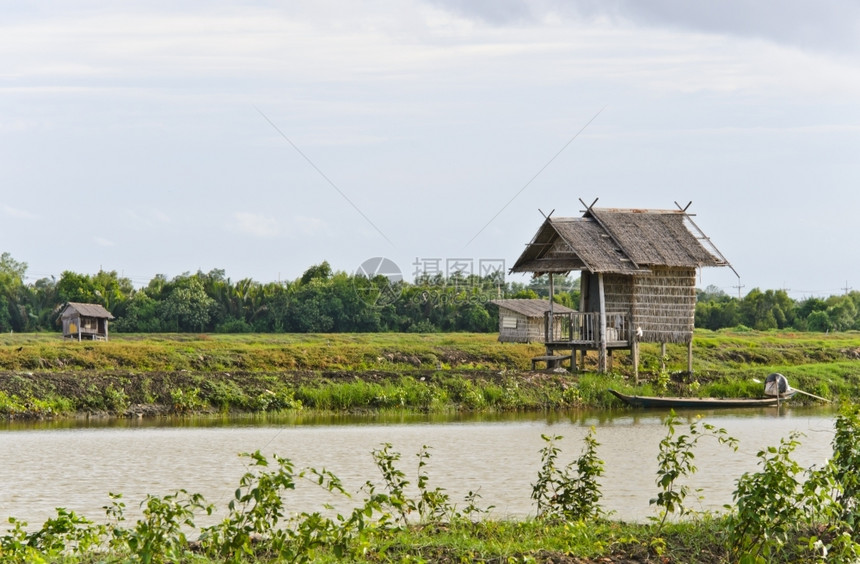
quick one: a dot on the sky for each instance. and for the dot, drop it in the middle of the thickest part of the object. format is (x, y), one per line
(262, 138)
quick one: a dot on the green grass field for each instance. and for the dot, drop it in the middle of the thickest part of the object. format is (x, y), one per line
(43, 375)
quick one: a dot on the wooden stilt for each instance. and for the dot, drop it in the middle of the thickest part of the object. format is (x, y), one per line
(635, 354)
(601, 348)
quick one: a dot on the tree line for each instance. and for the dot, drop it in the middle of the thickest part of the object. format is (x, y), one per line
(323, 300)
(774, 309)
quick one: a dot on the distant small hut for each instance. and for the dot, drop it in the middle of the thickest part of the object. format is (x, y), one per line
(85, 321)
(638, 278)
(522, 321)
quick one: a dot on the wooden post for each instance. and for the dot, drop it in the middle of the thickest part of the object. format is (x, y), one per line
(663, 356)
(601, 335)
(546, 322)
(550, 336)
(583, 295)
(635, 354)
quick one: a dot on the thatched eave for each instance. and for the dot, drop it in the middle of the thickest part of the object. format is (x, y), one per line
(616, 241)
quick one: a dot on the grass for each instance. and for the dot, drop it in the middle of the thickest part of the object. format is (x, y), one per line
(43, 376)
(256, 352)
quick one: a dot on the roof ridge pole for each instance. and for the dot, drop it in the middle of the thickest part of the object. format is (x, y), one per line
(587, 207)
(612, 236)
(703, 237)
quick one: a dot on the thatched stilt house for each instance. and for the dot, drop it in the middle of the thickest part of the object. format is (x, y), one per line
(85, 321)
(638, 277)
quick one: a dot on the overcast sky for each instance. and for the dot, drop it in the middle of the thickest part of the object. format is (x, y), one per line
(262, 138)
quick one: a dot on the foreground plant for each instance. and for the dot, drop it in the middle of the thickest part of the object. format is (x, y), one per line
(676, 461)
(778, 512)
(561, 494)
(769, 503)
(257, 525)
(430, 506)
(255, 510)
(59, 537)
(846, 463)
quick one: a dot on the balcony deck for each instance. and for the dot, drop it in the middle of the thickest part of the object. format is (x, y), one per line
(581, 330)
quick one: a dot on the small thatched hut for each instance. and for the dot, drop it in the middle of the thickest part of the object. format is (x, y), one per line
(523, 320)
(638, 279)
(85, 321)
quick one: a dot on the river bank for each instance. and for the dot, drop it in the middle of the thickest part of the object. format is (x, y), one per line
(42, 376)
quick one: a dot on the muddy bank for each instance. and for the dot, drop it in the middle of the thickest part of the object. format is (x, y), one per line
(42, 395)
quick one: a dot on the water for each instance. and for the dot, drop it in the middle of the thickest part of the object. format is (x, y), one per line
(75, 464)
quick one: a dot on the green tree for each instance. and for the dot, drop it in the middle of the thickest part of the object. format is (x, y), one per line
(42, 304)
(842, 312)
(525, 294)
(12, 272)
(767, 310)
(819, 321)
(141, 315)
(319, 271)
(74, 287)
(187, 307)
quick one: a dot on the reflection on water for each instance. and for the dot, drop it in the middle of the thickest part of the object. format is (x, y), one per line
(74, 464)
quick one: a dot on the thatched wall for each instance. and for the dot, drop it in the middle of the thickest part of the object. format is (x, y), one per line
(515, 327)
(617, 292)
(664, 304)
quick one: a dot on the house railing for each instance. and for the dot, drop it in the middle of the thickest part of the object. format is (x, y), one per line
(583, 328)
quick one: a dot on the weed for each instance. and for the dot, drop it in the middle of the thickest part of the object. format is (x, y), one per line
(394, 480)
(116, 400)
(226, 394)
(430, 506)
(675, 461)
(160, 535)
(663, 377)
(186, 401)
(769, 504)
(846, 463)
(561, 495)
(255, 510)
(67, 533)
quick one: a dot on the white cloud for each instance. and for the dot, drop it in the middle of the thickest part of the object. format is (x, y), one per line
(102, 242)
(16, 213)
(305, 226)
(146, 218)
(256, 225)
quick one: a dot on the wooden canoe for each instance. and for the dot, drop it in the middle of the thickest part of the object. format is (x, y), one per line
(693, 403)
